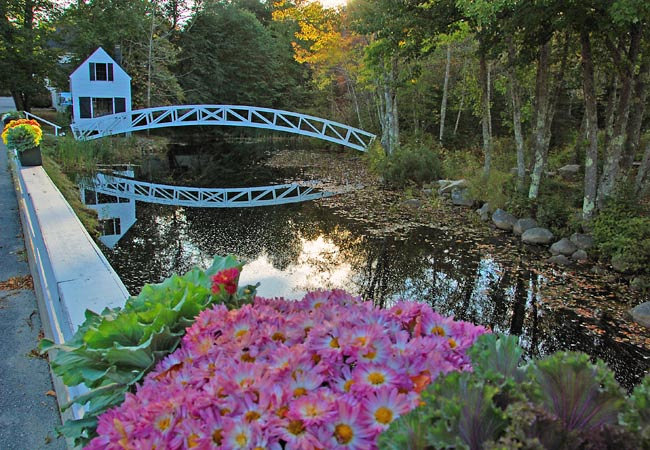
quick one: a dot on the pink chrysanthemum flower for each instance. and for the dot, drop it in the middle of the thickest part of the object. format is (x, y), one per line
(312, 409)
(373, 377)
(347, 430)
(386, 405)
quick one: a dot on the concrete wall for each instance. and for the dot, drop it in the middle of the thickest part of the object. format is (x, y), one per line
(70, 273)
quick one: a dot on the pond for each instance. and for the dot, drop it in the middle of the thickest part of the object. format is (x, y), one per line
(291, 249)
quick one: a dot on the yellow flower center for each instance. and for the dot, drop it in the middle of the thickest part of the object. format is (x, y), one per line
(246, 357)
(452, 343)
(362, 340)
(376, 378)
(398, 312)
(370, 355)
(312, 411)
(241, 439)
(317, 305)
(225, 411)
(241, 332)
(252, 415)
(343, 433)
(334, 343)
(277, 336)
(217, 436)
(163, 423)
(438, 331)
(384, 415)
(300, 391)
(296, 427)
(193, 440)
(347, 385)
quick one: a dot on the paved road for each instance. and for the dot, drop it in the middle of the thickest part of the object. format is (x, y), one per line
(28, 415)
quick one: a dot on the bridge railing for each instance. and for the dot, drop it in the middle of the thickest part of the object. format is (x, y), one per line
(205, 197)
(225, 115)
(56, 127)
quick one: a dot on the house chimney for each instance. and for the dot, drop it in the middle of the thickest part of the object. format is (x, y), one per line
(118, 54)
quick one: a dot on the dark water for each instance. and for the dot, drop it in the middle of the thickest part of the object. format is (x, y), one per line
(292, 249)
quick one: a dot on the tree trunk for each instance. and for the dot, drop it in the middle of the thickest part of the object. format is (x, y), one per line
(485, 113)
(548, 94)
(591, 113)
(642, 173)
(460, 110)
(390, 131)
(445, 92)
(637, 109)
(611, 166)
(610, 109)
(542, 100)
(516, 116)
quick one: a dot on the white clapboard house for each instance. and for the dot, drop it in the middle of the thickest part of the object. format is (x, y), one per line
(99, 87)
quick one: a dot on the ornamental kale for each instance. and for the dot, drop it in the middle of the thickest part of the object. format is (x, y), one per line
(562, 401)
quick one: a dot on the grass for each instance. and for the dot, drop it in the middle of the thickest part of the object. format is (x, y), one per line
(70, 191)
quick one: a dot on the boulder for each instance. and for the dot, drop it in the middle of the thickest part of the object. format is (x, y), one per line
(427, 191)
(564, 247)
(538, 235)
(569, 172)
(582, 241)
(484, 212)
(580, 255)
(460, 197)
(639, 283)
(524, 224)
(619, 263)
(503, 220)
(449, 187)
(560, 260)
(412, 203)
(641, 314)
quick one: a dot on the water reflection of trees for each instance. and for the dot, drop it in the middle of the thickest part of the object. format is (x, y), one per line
(423, 267)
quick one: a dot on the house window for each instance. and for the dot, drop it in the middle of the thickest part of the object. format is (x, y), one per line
(84, 108)
(101, 71)
(102, 106)
(120, 105)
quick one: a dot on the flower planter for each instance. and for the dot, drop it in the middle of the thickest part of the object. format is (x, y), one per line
(30, 157)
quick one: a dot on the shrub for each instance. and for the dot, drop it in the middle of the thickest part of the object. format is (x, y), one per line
(622, 234)
(411, 163)
(561, 401)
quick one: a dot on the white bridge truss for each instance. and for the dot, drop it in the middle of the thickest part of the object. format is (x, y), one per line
(205, 197)
(228, 115)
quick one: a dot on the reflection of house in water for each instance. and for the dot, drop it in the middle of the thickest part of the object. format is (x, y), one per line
(116, 214)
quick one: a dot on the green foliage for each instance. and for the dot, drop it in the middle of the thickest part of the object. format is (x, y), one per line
(12, 115)
(622, 234)
(416, 163)
(230, 58)
(112, 351)
(637, 415)
(561, 401)
(495, 189)
(81, 157)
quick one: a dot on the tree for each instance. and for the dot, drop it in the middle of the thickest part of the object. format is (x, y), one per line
(229, 58)
(25, 27)
(143, 35)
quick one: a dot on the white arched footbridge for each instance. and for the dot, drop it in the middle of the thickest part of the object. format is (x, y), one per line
(225, 115)
(205, 197)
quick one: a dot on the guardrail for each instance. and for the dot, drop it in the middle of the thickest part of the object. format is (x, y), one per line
(40, 119)
(69, 271)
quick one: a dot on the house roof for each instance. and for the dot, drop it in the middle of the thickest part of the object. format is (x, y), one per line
(103, 54)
